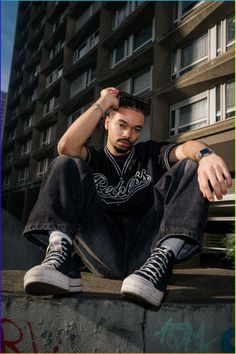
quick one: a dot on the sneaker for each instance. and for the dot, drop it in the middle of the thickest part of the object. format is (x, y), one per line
(57, 274)
(149, 283)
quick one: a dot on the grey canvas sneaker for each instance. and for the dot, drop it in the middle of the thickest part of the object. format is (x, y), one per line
(149, 283)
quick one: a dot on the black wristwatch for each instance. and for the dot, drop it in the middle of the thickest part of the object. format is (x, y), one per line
(202, 153)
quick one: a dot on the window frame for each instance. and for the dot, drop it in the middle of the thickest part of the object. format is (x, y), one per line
(52, 104)
(26, 148)
(129, 46)
(41, 171)
(179, 11)
(25, 175)
(212, 112)
(55, 75)
(45, 137)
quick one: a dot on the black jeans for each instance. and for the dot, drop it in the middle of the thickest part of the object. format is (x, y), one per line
(114, 245)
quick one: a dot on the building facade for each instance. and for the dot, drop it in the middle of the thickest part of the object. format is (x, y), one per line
(3, 110)
(179, 55)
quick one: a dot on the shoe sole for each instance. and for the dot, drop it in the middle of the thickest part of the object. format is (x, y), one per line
(141, 289)
(42, 281)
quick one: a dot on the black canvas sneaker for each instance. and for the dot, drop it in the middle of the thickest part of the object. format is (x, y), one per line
(57, 274)
(149, 283)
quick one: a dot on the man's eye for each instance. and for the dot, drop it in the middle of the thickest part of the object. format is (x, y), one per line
(122, 125)
(137, 131)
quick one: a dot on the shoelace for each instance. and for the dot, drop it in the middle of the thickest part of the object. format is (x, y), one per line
(156, 265)
(56, 253)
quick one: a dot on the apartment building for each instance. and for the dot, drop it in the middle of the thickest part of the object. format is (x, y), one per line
(179, 55)
(3, 110)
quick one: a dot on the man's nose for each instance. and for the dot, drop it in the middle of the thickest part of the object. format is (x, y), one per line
(127, 133)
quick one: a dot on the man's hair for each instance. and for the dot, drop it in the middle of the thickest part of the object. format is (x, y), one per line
(134, 102)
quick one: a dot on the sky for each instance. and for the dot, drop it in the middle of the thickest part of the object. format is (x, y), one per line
(8, 23)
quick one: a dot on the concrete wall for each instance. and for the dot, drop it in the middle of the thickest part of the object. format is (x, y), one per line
(17, 252)
(98, 324)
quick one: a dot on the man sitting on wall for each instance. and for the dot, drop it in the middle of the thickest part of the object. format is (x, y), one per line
(129, 211)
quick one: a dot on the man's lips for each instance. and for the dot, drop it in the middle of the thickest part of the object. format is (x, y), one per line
(124, 142)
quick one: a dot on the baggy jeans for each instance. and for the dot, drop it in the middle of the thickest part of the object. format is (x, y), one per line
(114, 245)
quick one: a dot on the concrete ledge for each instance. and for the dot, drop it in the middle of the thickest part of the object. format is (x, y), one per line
(102, 320)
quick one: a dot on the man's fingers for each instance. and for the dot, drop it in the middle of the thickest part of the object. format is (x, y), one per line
(222, 181)
(228, 177)
(215, 182)
(204, 187)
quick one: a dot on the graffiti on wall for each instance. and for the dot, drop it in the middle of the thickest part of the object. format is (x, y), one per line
(17, 336)
(175, 336)
(182, 337)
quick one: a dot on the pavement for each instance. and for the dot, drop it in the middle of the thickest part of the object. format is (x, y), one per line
(186, 286)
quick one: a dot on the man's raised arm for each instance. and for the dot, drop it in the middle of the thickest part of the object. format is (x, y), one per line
(74, 139)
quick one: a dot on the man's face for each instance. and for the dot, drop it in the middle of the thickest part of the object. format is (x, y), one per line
(124, 127)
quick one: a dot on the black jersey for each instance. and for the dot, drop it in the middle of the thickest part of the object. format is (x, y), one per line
(125, 183)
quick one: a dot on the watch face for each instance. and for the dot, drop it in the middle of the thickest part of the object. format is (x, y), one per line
(205, 151)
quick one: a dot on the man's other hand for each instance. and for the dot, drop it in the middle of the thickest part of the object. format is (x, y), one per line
(213, 177)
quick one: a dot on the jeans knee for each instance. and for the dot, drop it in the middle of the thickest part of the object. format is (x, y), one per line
(63, 161)
(187, 166)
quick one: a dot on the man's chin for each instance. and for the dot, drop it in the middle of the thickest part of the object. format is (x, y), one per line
(122, 151)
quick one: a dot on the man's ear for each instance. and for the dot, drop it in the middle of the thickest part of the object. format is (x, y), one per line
(106, 122)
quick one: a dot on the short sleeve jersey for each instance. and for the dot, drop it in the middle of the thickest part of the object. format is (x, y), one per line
(125, 183)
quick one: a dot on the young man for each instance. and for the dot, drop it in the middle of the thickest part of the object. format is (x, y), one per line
(129, 211)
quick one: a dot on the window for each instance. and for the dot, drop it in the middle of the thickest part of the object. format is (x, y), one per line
(23, 175)
(45, 137)
(85, 47)
(38, 28)
(138, 84)
(55, 75)
(207, 108)
(15, 113)
(6, 180)
(143, 36)
(35, 72)
(9, 158)
(230, 30)
(141, 82)
(91, 75)
(78, 84)
(229, 98)
(28, 122)
(42, 167)
(26, 148)
(59, 20)
(56, 49)
(37, 49)
(72, 117)
(119, 53)
(186, 58)
(12, 135)
(51, 106)
(32, 98)
(225, 35)
(225, 104)
(146, 130)
(123, 12)
(182, 8)
(87, 14)
(83, 81)
(132, 43)
(216, 41)
(189, 115)
(17, 91)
